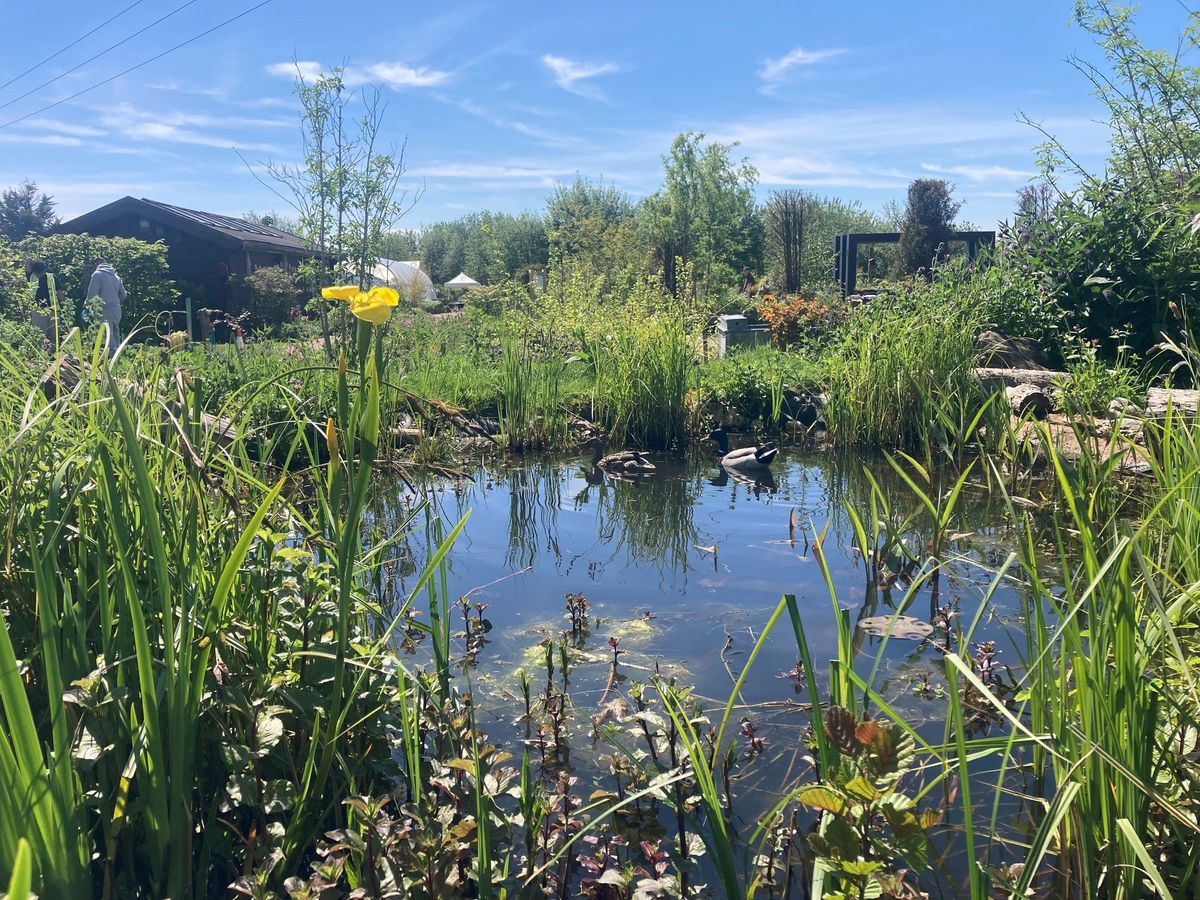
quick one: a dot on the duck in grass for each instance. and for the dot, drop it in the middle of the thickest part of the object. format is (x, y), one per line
(626, 462)
(760, 456)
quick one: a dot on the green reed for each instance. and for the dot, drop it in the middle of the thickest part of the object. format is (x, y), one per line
(156, 580)
(642, 377)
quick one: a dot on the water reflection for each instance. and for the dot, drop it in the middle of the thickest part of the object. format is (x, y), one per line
(708, 543)
(684, 568)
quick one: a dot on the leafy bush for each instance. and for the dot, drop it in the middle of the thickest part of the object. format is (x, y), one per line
(1017, 305)
(269, 295)
(1119, 258)
(800, 320)
(754, 382)
(1092, 384)
(142, 266)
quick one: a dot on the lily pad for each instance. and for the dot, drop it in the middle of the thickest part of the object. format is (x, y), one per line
(906, 628)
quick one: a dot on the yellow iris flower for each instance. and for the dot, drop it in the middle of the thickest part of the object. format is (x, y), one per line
(374, 306)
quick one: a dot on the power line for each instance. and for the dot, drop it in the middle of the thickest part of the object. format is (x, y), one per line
(103, 52)
(63, 50)
(144, 62)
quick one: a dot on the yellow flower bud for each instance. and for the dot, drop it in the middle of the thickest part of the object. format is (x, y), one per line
(331, 438)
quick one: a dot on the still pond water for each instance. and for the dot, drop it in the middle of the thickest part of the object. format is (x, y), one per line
(685, 569)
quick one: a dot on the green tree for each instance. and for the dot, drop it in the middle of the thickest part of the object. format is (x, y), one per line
(24, 211)
(704, 215)
(927, 224)
(1118, 252)
(402, 245)
(592, 230)
(142, 266)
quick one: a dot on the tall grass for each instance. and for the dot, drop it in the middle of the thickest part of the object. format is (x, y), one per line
(901, 377)
(642, 376)
(185, 646)
(531, 407)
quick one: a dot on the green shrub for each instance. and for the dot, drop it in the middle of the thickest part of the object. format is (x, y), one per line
(1120, 259)
(1092, 384)
(269, 295)
(142, 267)
(754, 382)
(901, 374)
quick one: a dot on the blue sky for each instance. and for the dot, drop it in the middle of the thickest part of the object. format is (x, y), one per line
(498, 101)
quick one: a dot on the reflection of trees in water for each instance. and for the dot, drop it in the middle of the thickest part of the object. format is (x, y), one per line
(534, 496)
(651, 520)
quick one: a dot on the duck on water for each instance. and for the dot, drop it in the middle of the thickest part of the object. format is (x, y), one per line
(625, 462)
(760, 456)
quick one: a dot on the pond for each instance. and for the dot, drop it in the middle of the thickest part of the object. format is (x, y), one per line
(685, 568)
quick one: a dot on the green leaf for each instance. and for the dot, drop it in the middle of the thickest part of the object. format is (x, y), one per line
(862, 789)
(279, 795)
(20, 882)
(822, 798)
(268, 732)
(844, 842)
(861, 867)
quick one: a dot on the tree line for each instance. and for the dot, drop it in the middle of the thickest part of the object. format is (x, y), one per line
(697, 232)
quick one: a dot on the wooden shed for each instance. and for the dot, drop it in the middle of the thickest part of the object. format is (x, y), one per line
(202, 248)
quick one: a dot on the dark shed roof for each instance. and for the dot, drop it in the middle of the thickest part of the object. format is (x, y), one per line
(225, 230)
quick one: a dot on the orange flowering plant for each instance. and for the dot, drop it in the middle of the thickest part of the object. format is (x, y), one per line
(795, 320)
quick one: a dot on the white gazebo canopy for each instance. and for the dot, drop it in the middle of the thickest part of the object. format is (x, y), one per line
(462, 280)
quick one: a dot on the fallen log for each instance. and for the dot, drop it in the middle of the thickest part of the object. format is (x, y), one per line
(1181, 402)
(1029, 400)
(998, 378)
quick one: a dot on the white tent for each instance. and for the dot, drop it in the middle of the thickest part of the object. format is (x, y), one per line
(460, 281)
(407, 278)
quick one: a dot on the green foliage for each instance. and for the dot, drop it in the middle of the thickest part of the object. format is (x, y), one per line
(751, 384)
(1091, 384)
(866, 821)
(142, 267)
(593, 231)
(642, 379)
(1120, 260)
(1119, 252)
(926, 225)
(23, 211)
(704, 216)
(1016, 303)
(490, 247)
(822, 219)
(269, 295)
(900, 375)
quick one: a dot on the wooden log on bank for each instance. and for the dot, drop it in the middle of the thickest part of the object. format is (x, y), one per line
(998, 378)
(1029, 400)
(1182, 403)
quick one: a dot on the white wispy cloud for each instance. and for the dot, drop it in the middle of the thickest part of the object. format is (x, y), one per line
(163, 131)
(981, 172)
(773, 71)
(491, 171)
(71, 129)
(572, 75)
(305, 68)
(52, 140)
(397, 75)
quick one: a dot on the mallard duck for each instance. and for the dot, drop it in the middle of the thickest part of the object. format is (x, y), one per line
(759, 456)
(626, 462)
